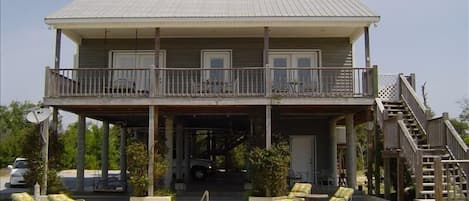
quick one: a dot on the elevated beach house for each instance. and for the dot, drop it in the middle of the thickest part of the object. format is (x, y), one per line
(208, 76)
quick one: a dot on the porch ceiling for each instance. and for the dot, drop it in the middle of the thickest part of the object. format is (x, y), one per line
(234, 32)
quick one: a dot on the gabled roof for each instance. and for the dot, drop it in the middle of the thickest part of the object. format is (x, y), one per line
(164, 11)
(211, 8)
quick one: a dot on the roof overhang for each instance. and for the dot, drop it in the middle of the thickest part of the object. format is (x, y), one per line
(188, 22)
(79, 28)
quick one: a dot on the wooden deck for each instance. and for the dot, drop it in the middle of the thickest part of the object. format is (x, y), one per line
(253, 85)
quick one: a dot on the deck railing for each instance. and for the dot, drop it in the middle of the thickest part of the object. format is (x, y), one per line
(204, 82)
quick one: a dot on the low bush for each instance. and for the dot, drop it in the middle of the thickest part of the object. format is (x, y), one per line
(269, 170)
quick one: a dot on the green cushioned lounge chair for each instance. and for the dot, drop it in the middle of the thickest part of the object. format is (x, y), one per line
(21, 197)
(342, 194)
(298, 189)
(60, 197)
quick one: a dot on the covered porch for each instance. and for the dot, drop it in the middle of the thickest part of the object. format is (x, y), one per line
(213, 132)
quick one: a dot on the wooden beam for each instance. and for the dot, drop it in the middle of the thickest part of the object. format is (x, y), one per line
(438, 179)
(266, 46)
(367, 47)
(157, 47)
(400, 179)
(105, 152)
(377, 169)
(169, 133)
(375, 81)
(369, 158)
(152, 132)
(81, 152)
(45, 155)
(155, 75)
(123, 153)
(207, 101)
(333, 150)
(58, 41)
(179, 148)
(267, 70)
(387, 178)
(351, 156)
(268, 126)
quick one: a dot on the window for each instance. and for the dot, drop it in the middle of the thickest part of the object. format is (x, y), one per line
(217, 61)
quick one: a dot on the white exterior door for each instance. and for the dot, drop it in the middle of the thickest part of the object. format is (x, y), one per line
(308, 77)
(303, 157)
(216, 63)
(285, 77)
(280, 75)
(134, 78)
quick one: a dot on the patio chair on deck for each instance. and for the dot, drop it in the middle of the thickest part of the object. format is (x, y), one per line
(298, 189)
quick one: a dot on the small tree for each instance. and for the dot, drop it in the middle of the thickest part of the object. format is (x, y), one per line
(270, 170)
(137, 160)
(32, 151)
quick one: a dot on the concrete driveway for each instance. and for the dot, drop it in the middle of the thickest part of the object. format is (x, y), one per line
(68, 178)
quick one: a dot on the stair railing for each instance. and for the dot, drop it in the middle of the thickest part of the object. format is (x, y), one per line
(436, 132)
(446, 180)
(410, 98)
(411, 152)
(442, 133)
(205, 196)
(456, 145)
(380, 112)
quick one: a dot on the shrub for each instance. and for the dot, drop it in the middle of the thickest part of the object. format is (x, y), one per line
(165, 192)
(137, 160)
(269, 170)
(33, 152)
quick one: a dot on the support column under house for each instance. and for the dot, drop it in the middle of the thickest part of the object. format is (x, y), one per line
(169, 130)
(350, 152)
(123, 154)
(81, 153)
(152, 132)
(105, 152)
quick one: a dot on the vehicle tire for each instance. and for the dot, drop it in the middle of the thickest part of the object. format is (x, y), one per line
(199, 173)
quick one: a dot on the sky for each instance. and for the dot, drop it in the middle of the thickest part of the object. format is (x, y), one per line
(427, 37)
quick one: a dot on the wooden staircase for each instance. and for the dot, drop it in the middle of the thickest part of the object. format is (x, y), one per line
(434, 153)
(452, 173)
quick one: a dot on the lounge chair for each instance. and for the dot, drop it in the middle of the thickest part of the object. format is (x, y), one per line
(298, 189)
(21, 197)
(60, 197)
(342, 194)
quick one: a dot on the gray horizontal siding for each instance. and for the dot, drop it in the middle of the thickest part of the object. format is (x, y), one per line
(247, 52)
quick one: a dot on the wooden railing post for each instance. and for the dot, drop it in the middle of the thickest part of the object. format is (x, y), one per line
(375, 81)
(438, 179)
(153, 80)
(412, 80)
(47, 82)
(418, 174)
(400, 117)
(268, 81)
(445, 116)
